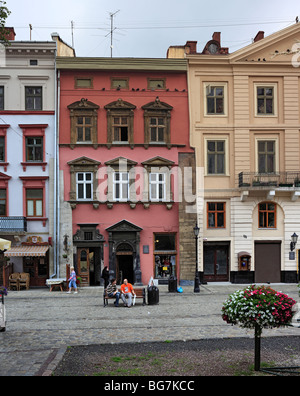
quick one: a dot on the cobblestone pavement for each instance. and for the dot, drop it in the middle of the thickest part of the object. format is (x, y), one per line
(41, 324)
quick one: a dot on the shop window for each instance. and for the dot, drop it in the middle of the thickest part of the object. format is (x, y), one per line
(164, 255)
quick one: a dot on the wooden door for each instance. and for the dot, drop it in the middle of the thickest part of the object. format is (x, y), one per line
(83, 266)
(216, 263)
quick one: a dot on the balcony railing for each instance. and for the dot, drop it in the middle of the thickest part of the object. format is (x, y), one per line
(280, 179)
(14, 224)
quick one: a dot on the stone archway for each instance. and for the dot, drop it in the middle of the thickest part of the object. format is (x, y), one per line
(124, 240)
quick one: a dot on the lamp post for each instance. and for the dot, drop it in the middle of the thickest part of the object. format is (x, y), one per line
(294, 239)
(197, 281)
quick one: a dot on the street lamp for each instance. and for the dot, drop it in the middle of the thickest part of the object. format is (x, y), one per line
(197, 281)
(294, 239)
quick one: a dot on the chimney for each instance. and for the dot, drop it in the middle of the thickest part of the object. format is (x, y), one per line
(217, 37)
(260, 35)
(191, 47)
(10, 33)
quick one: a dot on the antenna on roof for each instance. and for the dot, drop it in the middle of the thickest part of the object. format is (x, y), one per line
(72, 32)
(30, 30)
(112, 30)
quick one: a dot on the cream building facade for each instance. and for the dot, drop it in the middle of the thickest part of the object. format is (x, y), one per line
(244, 126)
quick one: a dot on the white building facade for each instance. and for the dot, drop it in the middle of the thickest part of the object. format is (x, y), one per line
(28, 156)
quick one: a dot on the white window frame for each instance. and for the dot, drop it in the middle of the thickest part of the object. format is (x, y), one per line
(207, 86)
(123, 180)
(84, 182)
(224, 139)
(156, 183)
(275, 97)
(264, 139)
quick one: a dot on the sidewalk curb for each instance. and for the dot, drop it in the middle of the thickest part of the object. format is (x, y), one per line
(52, 362)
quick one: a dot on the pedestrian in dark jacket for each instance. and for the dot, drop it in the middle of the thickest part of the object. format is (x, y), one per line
(105, 276)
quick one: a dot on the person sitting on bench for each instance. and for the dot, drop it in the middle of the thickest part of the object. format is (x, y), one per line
(112, 291)
(127, 292)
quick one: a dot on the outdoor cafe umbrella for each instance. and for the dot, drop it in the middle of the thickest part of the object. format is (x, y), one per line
(4, 244)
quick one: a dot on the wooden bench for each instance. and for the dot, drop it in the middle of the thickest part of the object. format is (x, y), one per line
(140, 293)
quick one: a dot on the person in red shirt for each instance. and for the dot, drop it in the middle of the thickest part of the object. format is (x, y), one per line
(127, 292)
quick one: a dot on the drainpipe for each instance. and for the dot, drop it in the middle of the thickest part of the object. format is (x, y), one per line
(55, 175)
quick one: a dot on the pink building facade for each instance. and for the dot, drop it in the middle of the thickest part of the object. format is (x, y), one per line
(124, 154)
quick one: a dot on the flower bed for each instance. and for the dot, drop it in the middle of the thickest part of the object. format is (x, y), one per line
(258, 306)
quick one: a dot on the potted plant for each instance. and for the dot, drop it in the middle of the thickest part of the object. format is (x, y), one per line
(256, 182)
(297, 182)
(78, 280)
(258, 307)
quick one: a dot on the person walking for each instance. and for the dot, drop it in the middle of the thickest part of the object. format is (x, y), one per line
(72, 281)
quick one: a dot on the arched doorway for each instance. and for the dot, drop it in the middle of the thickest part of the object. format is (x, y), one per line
(124, 253)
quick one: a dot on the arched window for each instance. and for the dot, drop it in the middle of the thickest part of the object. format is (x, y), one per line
(267, 215)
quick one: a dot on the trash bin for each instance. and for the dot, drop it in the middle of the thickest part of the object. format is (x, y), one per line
(153, 295)
(172, 284)
(2, 314)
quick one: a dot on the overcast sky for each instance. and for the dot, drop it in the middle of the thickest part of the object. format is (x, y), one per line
(144, 28)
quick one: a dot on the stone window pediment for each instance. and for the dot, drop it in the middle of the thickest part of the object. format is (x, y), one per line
(83, 165)
(121, 162)
(157, 123)
(158, 162)
(83, 104)
(120, 120)
(120, 176)
(84, 123)
(124, 226)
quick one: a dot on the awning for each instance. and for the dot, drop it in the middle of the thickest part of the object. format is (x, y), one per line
(36, 251)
